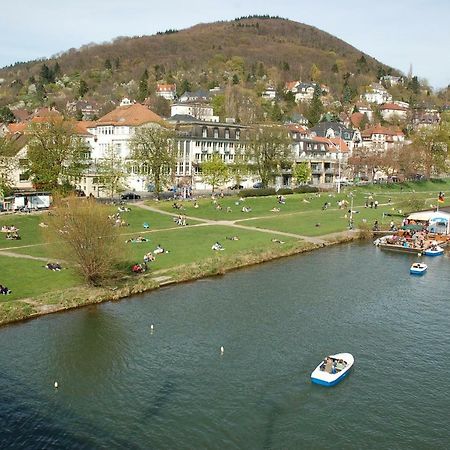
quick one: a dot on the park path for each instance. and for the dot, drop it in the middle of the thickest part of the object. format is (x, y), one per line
(234, 224)
(22, 255)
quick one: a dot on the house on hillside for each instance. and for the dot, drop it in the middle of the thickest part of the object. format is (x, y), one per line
(304, 92)
(88, 109)
(168, 91)
(377, 94)
(201, 111)
(393, 111)
(428, 117)
(200, 96)
(270, 93)
(391, 80)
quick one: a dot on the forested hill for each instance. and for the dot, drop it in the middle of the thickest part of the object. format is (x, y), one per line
(250, 52)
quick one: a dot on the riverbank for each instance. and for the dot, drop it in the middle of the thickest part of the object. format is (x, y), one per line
(81, 296)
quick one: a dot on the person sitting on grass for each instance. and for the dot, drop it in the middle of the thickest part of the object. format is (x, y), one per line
(13, 236)
(275, 210)
(149, 257)
(4, 290)
(217, 246)
(138, 268)
(232, 238)
(246, 209)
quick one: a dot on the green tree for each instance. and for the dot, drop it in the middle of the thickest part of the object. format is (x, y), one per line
(315, 73)
(82, 88)
(301, 173)
(107, 64)
(218, 104)
(269, 151)
(215, 171)
(6, 115)
(154, 148)
(7, 165)
(185, 86)
(56, 155)
(432, 143)
(143, 87)
(315, 109)
(111, 171)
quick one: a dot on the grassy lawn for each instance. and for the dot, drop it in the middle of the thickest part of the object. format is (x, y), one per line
(28, 278)
(188, 245)
(29, 229)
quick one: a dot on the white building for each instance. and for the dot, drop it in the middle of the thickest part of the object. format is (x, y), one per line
(168, 91)
(377, 94)
(393, 111)
(200, 111)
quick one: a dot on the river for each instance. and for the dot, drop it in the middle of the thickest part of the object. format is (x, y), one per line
(123, 385)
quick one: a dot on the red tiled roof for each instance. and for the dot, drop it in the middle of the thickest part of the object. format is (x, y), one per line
(130, 115)
(333, 143)
(378, 129)
(356, 118)
(16, 127)
(166, 87)
(393, 106)
(290, 85)
(81, 127)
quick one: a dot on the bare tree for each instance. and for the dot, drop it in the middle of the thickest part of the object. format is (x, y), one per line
(86, 237)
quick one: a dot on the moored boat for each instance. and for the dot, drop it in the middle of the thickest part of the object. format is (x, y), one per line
(435, 250)
(332, 369)
(418, 269)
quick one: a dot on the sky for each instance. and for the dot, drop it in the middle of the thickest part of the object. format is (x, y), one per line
(396, 32)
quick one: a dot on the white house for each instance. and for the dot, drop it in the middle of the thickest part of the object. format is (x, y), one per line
(380, 138)
(198, 110)
(270, 93)
(377, 94)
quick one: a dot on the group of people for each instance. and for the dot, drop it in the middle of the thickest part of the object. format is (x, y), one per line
(180, 220)
(332, 365)
(118, 221)
(12, 232)
(4, 290)
(137, 240)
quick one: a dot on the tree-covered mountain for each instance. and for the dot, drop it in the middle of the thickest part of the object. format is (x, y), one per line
(250, 52)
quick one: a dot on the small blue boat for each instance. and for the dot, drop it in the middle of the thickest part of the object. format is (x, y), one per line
(434, 250)
(333, 369)
(418, 269)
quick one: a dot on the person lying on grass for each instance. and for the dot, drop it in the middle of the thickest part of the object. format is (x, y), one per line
(277, 241)
(4, 290)
(53, 266)
(158, 250)
(232, 238)
(137, 240)
(217, 246)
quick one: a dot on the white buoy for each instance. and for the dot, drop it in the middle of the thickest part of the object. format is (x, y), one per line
(151, 327)
(419, 254)
(222, 350)
(56, 385)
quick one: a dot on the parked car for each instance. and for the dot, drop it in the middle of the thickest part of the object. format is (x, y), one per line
(130, 196)
(258, 185)
(236, 186)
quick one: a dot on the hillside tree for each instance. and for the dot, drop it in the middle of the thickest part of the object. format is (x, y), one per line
(315, 109)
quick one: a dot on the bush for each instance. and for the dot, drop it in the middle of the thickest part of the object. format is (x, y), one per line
(285, 191)
(262, 192)
(306, 189)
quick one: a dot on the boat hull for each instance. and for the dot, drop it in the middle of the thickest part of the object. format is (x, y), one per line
(328, 379)
(433, 252)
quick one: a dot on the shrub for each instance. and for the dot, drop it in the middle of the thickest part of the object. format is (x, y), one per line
(306, 189)
(262, 192)
(285, 191)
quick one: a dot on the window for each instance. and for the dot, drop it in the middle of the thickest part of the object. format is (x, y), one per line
(216, 133)
(227, 133)
(204, 132)
(238, 134)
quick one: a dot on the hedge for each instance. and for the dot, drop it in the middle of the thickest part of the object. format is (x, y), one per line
(285, 191)
(262, 192)
(305, 189)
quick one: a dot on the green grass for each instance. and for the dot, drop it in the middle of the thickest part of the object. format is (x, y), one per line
(29, 229)
(28, 278)
(188, 245)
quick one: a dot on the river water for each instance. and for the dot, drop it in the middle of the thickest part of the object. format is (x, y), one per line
(123, 386)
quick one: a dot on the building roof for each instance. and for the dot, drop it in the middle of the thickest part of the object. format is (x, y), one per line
(322, 127)
(378, 129)
(21, 114)
(166, 87)
(333, 143)
(393, 107)
(291, 85)
(129, 115)
(81, 127)
(356, 119)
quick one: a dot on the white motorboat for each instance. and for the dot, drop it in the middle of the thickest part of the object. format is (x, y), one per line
(333, 369)
(418, 269)
(434, 250)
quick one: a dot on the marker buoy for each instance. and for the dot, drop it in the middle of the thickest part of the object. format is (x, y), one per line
(55, 385)
(151, 327)
(222, 350)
